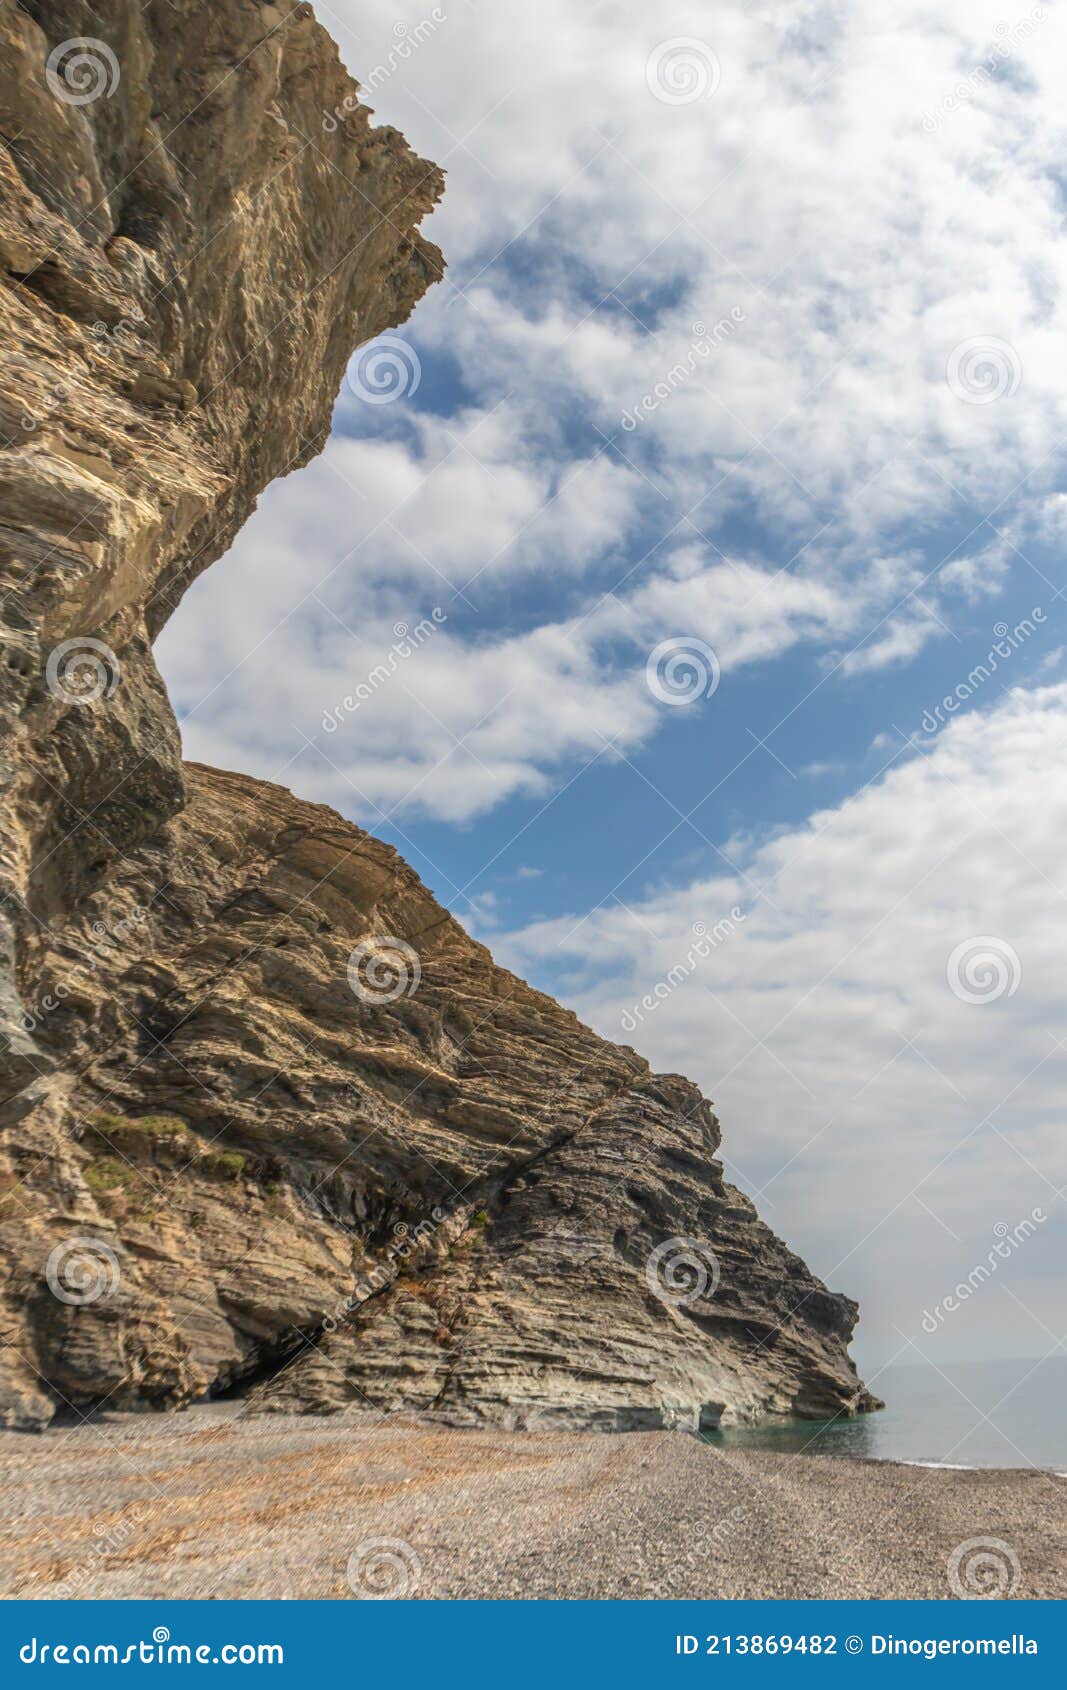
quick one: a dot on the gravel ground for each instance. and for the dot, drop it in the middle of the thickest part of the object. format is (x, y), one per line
(209, 1504)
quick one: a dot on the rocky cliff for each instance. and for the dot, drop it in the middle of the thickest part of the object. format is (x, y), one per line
(272, 1123)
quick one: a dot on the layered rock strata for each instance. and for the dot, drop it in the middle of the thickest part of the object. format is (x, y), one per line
(273, 1123)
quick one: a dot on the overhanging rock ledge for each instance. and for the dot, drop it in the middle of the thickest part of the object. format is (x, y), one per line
(221, 1168)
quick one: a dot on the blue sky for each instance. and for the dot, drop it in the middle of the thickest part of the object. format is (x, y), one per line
(845, 239)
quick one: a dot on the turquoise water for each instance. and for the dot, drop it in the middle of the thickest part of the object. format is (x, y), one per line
(937, 1417)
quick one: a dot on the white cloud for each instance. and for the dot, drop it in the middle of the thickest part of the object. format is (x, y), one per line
(888, 1126)
(591, 230)
(862, 247)
(897, 641)
(458, 724)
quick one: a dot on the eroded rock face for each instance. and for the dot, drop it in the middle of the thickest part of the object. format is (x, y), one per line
(187, 258)
(274, 1123)
(337, 1170)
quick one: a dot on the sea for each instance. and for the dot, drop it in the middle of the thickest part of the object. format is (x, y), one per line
(971, 1414)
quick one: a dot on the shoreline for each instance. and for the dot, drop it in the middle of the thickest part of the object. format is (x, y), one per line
(217, 1503)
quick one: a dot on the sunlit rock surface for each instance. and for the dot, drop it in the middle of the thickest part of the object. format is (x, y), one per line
(273, 1123)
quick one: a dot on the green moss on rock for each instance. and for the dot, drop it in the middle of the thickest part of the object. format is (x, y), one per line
(223, 1164)
(138, 1133)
